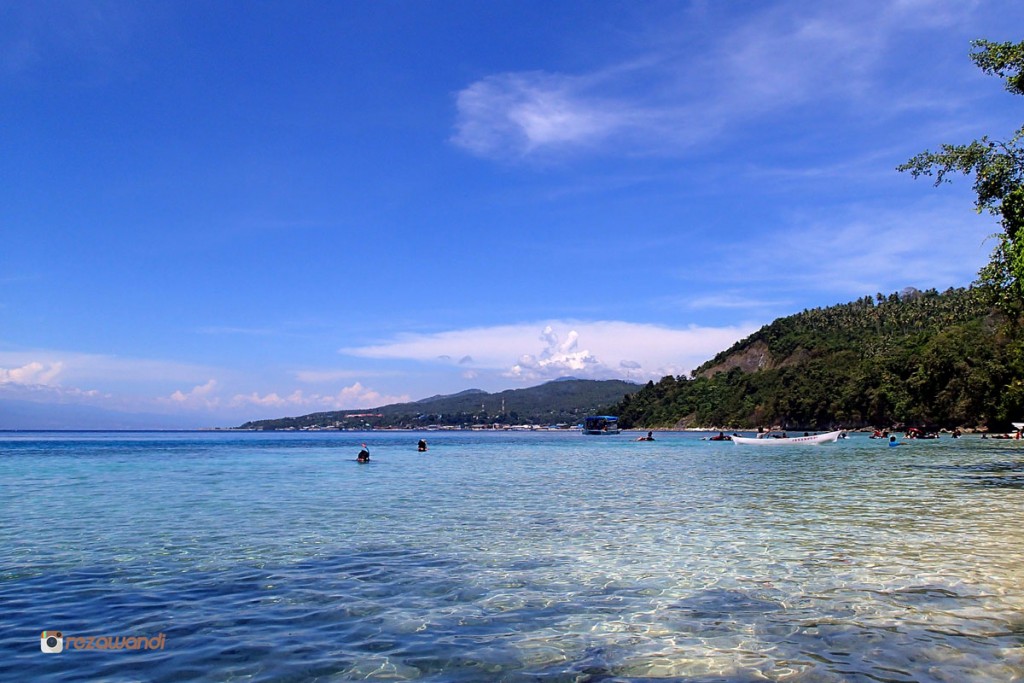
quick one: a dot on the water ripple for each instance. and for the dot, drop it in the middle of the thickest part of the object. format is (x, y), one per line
(512, 558)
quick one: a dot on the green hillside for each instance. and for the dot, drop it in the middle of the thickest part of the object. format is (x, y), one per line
(943, 360)
(560, 401)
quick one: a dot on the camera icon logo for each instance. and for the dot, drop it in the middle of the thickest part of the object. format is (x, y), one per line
(51, 641)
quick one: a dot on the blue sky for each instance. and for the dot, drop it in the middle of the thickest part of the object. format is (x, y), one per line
(220, 211)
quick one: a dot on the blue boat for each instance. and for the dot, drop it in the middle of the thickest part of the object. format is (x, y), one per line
(601, 424)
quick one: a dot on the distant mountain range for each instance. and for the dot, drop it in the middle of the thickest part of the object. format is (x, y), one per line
(30, 415)
(565, 400)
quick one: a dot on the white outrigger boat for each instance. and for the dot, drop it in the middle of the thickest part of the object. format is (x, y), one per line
(766, 440)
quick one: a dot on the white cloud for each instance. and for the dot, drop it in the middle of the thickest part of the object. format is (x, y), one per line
(354, 396)
(255, 399)
(34, 372)
(112, 382)
(558, 359)
(145, 385)
(38, 381)
(586, 349)
(201, 396)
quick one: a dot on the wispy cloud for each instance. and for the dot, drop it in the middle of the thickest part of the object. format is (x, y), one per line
(242, 331)
(47, 393)
(111, 382)
(523, 112)
(730, 300)
(128, 384)
(311, 376)
(75, 367)
(558, 348)
(350, 397)
(937, 242)
(535, 114)
(91, 36)
(672, 97)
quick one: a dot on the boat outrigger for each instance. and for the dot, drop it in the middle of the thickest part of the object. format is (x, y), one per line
(776, 441)
(601, 424)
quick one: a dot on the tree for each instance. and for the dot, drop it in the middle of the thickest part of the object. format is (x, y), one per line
(998, 168)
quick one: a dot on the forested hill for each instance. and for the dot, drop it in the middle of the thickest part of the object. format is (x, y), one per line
(917, 358)
(564, 400)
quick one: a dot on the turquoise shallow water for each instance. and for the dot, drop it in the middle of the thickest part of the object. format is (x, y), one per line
(514, 557)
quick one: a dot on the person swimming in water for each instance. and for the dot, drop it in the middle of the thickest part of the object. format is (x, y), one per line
(364, 455)
(422, 445)
(649, 437)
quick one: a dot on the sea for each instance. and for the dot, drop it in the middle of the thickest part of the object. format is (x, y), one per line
(505, 556)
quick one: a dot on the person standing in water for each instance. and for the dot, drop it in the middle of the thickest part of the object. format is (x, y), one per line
(364, 455)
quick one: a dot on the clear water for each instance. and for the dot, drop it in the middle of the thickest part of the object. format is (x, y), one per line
(511, 557)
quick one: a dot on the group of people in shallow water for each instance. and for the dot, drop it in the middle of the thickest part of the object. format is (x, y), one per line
(912, 433)
(421, 446)
(364, 454)
(722, 436)
(1015, 436)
